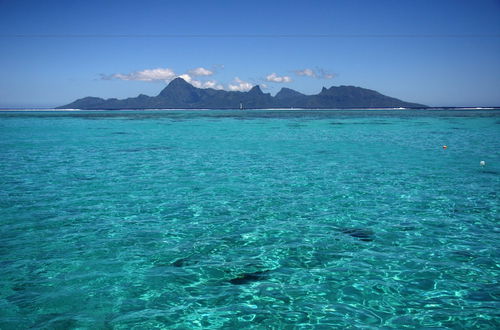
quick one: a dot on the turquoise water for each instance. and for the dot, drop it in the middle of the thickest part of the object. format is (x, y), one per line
(253, 219)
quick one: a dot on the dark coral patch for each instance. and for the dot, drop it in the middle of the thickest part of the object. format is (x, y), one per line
(246, 278)
(365, 235)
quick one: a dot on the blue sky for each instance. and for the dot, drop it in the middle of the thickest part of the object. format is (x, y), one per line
(436, 52)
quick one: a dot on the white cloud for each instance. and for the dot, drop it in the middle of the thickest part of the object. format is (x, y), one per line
(322, 73)
(273, 77)
(167, 75)
(158, 74)
(212, 84)
(201, 84)
(206, 84)
(239, 85)
(305, 72)
(318, 73)
(200, 72)
(186, 77)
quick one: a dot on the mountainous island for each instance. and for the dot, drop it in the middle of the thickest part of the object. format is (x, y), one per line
(181, 95)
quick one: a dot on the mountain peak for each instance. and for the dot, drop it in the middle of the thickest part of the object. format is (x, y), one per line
(175, 86)
(286, 93)
(179, 82)
(255, 90)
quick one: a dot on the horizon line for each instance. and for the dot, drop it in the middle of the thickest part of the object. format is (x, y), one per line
(6, 109)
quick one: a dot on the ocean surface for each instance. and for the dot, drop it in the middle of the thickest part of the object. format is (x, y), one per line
(250, 219)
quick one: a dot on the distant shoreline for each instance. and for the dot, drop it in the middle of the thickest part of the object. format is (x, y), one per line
(250, 109)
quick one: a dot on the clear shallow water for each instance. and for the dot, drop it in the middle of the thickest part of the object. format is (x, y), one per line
(211, 219)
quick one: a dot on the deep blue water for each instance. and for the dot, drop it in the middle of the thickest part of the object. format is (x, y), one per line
(249, 219)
